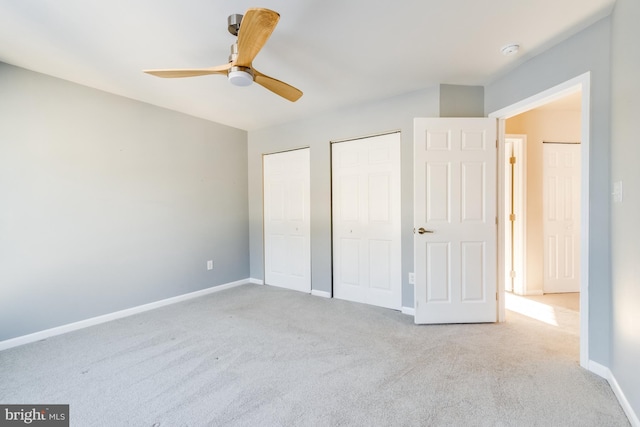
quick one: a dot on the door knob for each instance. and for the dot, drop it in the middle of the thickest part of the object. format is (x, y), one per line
(421, 230)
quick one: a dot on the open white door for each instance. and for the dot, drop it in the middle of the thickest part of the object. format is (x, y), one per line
(287, 243)
(455, 220)
(514, 214)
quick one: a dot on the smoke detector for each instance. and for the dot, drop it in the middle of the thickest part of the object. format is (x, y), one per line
(510, 49)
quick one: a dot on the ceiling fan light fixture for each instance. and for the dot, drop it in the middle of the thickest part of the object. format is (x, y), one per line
(240, 76)
(258, 24)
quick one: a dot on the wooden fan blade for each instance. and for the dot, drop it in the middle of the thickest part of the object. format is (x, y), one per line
(256, 27)
(276, 86)
(190, 72)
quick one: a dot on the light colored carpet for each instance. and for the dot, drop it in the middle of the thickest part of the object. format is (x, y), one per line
(263, 356)
(548, 309)
(569, 300)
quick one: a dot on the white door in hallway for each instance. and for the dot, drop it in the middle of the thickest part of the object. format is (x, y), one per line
(287, 250)
(561, 224)
(366, 220)
(455, 220)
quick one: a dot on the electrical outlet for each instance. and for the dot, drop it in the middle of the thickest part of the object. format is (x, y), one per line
(210, 265)
(412, 279)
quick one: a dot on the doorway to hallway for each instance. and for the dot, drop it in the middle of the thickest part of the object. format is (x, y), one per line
(542, 193)
(534, 283)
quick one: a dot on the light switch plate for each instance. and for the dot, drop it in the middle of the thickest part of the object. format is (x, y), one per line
(617, 192)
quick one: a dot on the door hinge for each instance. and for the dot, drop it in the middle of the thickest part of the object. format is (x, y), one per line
(512, 160)
(496, 220)
(512, 217)
(512, 274)
(496, 296)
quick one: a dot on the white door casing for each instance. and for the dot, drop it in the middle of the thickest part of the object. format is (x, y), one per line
(366, 220)
(455, 202)
(561, 217)
(287, 247)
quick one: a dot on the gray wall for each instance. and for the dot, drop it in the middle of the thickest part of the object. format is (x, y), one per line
(387, 115)
(625, 239)
(587, 51)
(109, 203)
(461, 101)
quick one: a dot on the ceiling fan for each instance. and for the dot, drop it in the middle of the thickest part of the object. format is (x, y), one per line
(253, 29)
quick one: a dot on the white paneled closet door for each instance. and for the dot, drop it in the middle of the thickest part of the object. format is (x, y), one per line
(287, 246)
(561, 210)
(366, 220)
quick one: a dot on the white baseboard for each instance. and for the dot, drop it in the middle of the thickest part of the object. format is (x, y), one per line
(58, 330)
(409, 311)
(323, 294)
(256, 281)
(606, 373)
(534, 293)
(626, 406)
(599, 370)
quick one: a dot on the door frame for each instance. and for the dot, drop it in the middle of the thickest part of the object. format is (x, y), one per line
(581, 83)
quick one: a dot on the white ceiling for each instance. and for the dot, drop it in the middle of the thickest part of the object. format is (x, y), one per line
(338, 52)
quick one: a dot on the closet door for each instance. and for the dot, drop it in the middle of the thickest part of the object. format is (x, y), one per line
(366, 220)
(287, 259)
(561, 222)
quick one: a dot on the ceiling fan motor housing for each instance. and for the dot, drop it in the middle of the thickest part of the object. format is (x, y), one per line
(237, 75)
